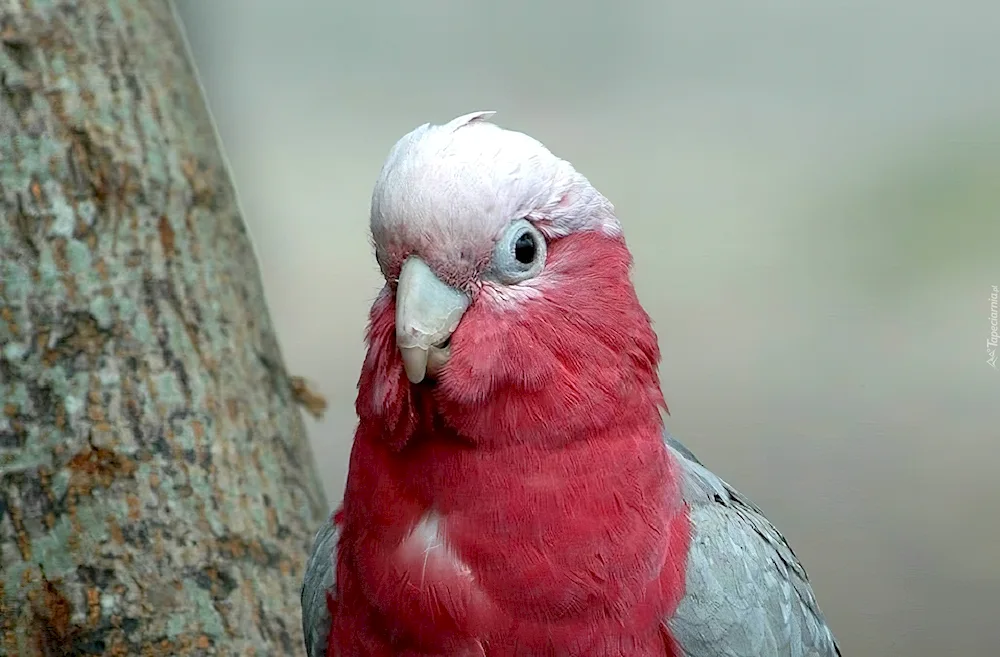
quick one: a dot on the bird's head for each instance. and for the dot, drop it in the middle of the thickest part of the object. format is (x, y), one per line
(508, 309)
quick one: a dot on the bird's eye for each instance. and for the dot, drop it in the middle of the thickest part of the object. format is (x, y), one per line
(524, 248)
(519, 254)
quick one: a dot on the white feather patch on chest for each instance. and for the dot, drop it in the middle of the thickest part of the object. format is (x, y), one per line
(426, 546)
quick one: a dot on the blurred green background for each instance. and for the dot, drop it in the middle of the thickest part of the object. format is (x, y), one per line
(812, 194)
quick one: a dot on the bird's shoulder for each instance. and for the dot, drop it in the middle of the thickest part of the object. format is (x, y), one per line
(319, 582)
(747, 593)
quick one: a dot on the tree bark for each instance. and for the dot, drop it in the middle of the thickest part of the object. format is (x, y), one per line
(157, 491)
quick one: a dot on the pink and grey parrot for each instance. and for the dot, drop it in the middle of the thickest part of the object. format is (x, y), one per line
(511, 488)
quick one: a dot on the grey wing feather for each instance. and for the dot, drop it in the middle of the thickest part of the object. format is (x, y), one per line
(747, 594)
(318, 580)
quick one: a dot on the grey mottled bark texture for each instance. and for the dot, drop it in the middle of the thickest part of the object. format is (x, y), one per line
(157, 493)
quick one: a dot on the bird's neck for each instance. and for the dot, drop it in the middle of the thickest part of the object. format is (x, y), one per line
(609, 469)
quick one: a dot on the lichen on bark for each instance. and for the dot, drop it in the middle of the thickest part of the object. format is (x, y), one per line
(157, 492)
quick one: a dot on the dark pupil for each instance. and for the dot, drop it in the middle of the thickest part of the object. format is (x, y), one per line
(524, 248)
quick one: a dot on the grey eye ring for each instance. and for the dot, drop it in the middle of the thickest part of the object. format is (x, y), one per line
(519, 254)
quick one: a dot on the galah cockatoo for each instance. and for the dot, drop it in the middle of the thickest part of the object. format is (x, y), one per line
(511, 489)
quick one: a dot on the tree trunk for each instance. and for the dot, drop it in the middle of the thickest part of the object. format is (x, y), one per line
(157, 491)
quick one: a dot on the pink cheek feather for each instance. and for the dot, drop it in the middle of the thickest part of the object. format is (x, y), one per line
(498, 346)
(573, 348)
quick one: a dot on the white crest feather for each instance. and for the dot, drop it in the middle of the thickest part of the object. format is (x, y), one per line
(448, 191)
(472, 117)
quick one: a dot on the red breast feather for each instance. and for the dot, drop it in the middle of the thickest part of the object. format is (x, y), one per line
(558, 527)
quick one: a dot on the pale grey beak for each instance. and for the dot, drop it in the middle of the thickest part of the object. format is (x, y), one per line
(427, 313)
